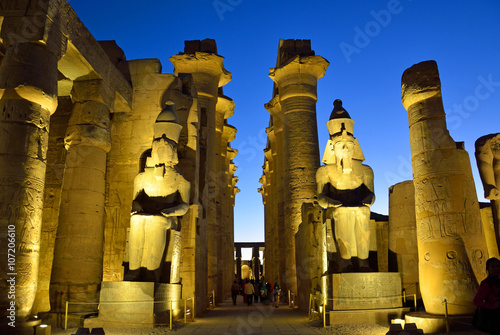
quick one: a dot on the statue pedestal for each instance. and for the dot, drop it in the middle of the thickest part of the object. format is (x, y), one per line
(165, 293)
(374, 297)
(124, 305)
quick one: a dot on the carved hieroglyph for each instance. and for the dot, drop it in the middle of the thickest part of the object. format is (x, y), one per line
(451, 246)
(161, 195)
(295, 76)
(488, 163)
(345, 187)
(28, 92)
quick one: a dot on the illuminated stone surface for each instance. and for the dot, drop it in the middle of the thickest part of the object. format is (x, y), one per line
(80, 232)
(201, 61)
(125, 305)
(161, 195)
(451, 245)
(403, 252)
(488, 163)
(365, 290)
(311, 258)
(28, 96)
(293, 111)
(345, 188)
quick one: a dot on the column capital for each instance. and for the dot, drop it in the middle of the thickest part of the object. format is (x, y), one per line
(225, 105)
(228, 133)
(29, 71)
(201, 62)
(314, 66)
(420, 82)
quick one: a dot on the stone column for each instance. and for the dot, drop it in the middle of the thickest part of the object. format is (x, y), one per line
(78, 252)
(276, 246)
(28, 96)
(228, 135)
(297, 86)
(238, 263)
(256, 262)
(403, 251)
(208, 75)
(450, 242)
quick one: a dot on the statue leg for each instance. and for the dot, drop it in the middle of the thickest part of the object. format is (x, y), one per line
(362, 229)
(156, 240)
(136, 241)
(363, 238)
(344, 233)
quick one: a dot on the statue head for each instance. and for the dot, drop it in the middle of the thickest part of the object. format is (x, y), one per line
(342, 147)
(166, 136)
(164, 152)
(342, 150)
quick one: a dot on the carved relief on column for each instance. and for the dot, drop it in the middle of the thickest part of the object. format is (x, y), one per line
(201, 60)
(78, 252)
(296, 81)
(451, 245)
(28, 92)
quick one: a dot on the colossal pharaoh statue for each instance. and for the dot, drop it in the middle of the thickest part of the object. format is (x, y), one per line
(488, 163)
(161, 195)
(345, 187)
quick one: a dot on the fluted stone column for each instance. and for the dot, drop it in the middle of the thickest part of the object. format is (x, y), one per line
(228, 135)
(451, 247)
(276, 246)
(225, 109)
(297, 87)
(78, 252)
(28, 96)
(208, 75)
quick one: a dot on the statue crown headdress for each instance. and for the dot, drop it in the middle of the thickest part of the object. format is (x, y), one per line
(167, 123)
(341, 128)
(339, 120)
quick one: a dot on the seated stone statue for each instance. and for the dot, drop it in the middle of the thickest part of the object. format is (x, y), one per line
(161, 195)
(345, 188)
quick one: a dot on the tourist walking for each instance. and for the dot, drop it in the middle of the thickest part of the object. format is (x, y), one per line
(249, 291)
(487, 299)
(263, 293)
(276, 294)
(235, 290)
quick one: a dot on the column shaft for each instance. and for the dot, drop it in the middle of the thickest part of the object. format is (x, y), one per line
(28, 88)
(78, 253)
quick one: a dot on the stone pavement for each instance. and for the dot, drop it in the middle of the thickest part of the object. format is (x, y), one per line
(227, 319)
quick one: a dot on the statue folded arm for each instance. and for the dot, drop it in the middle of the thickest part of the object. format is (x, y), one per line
(322, 182)
(368, 182)
(183, 206)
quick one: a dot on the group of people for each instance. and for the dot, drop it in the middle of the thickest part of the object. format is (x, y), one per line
(253, 290)
(487, 299)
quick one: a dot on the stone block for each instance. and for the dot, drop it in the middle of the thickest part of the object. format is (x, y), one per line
(167, 296)
(427, 322)
(373, 290)
(125, 305)
(381, 316)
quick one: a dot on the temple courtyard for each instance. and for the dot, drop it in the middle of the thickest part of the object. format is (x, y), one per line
(227, 319)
